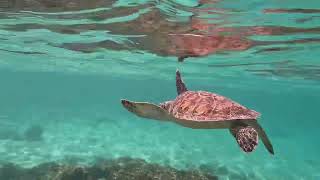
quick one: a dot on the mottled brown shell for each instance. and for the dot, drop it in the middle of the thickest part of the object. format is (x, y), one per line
(205, 106)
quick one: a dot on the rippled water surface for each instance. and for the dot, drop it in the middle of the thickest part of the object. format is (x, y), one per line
(65, 65)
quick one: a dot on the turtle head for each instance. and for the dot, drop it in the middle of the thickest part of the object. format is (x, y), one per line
(130, 106)
(247, 137)
(146, 110)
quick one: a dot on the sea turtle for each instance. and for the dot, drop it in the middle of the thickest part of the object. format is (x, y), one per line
(205, 110)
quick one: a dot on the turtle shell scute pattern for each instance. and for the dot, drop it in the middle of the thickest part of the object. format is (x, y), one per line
(205, 106)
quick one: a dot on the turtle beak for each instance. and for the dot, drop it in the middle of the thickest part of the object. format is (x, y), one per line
(128, 105)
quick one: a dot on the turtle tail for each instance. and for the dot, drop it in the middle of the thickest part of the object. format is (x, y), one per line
(181, 87)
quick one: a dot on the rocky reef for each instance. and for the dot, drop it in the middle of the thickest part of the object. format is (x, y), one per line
(122, 169)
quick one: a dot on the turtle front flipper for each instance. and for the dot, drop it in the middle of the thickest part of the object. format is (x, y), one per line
(181, 87)
(147, 110)
(262, 134)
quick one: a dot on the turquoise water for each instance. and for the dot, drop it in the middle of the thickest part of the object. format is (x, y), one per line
(66, 69)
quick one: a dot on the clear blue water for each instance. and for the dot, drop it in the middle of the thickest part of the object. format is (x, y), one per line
(57, 72)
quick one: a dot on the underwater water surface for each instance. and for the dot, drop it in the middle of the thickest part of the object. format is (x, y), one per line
(65, 66)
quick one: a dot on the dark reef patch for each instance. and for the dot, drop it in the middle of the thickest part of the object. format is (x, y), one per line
(33, 133)
(122, 169)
